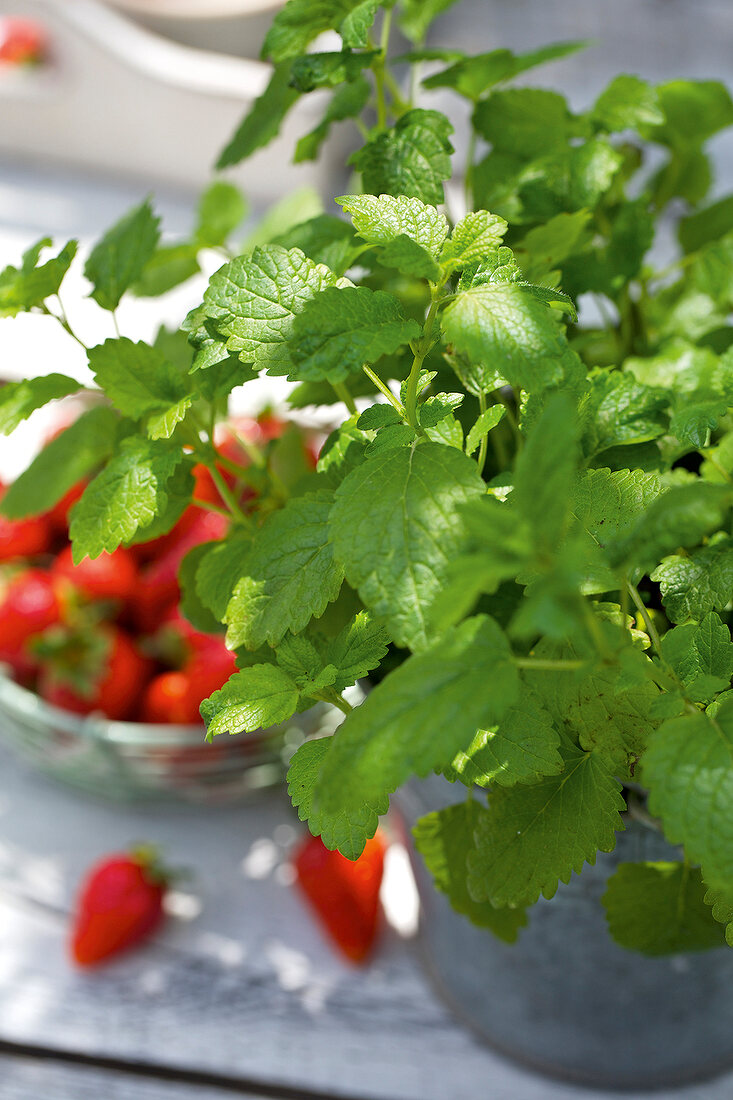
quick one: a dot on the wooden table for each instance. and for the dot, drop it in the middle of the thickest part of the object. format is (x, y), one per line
(239, 993)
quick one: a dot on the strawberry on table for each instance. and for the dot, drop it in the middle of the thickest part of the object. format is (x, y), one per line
(119, 905)
(343, 893)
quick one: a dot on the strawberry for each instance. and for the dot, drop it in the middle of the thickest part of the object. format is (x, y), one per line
(108, 577)
(158, 589)
(104, 673)
(119, 905)
(30, 603)
(22, 41)
(23, 538)
(343, 894)
(58, 516)
(168, 699)
(210, 665)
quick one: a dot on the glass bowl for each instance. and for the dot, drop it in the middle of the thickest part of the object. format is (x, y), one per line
(129, 761)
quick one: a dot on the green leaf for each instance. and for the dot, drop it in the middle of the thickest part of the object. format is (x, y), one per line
(19, 399)
(191, 604)
(706, 226)
(126, 496)
(395, 527)
(69, 458)
(120, 257)
(412, 158)
(444, 839)
(253, 300)
(696, 583)
(25, 287)
(253, 698)
(325, 240)
(402, 730)
(533, 837)
(521, 749)
(546, 471)
(408, 233)
(622, 411)
(341, 329)
(300, 21)
(526, 122)
(347, 831)
(688, 769)
(219, 570)
(348, 101)
(417, 15)
(701, 655)
(722, 910)
(472, 76)
(607, 504)
(137, 378)
(694, 110)
(473, 239)
(546, 246)
(354, 29)
(262, 122)
(379, 220)
(319, 70)
(501, 324)
(596, 707)
(220, 211)
(659, 909)
(488, 420)
(289, 577)
(378, 416)
(357, 649)
(168, 267)
(628, 103)
(568, 180)
(680, 517)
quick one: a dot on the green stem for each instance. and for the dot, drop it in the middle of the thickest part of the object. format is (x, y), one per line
(541, 664)
(421, 350)
(207, 506)
(384, 389)
(329, 695)
(115, 323)
(483, 447)
(342, 390)
(399, 103)
(648, 621)
(468, 178)
(63, 321)
(233, 505)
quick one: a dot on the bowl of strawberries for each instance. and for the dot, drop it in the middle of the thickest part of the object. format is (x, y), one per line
(102, 675)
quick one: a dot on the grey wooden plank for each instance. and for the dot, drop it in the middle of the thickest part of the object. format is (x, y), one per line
(244, 985)
(30, 1079)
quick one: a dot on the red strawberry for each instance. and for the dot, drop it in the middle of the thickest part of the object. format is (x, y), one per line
(87, 676)
(168, 699)
(108, 577)
(209, 667)
(344, 894)
(120, 904)
(29, 604)
(23, 538)
(158, 589)
(58, 516)
(22, 41)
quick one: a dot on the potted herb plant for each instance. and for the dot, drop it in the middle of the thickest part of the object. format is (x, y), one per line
(521, 530)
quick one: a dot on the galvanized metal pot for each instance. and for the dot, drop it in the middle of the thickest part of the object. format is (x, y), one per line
(565, 999)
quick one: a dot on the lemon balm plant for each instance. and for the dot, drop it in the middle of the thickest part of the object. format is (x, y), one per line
(524, 534)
